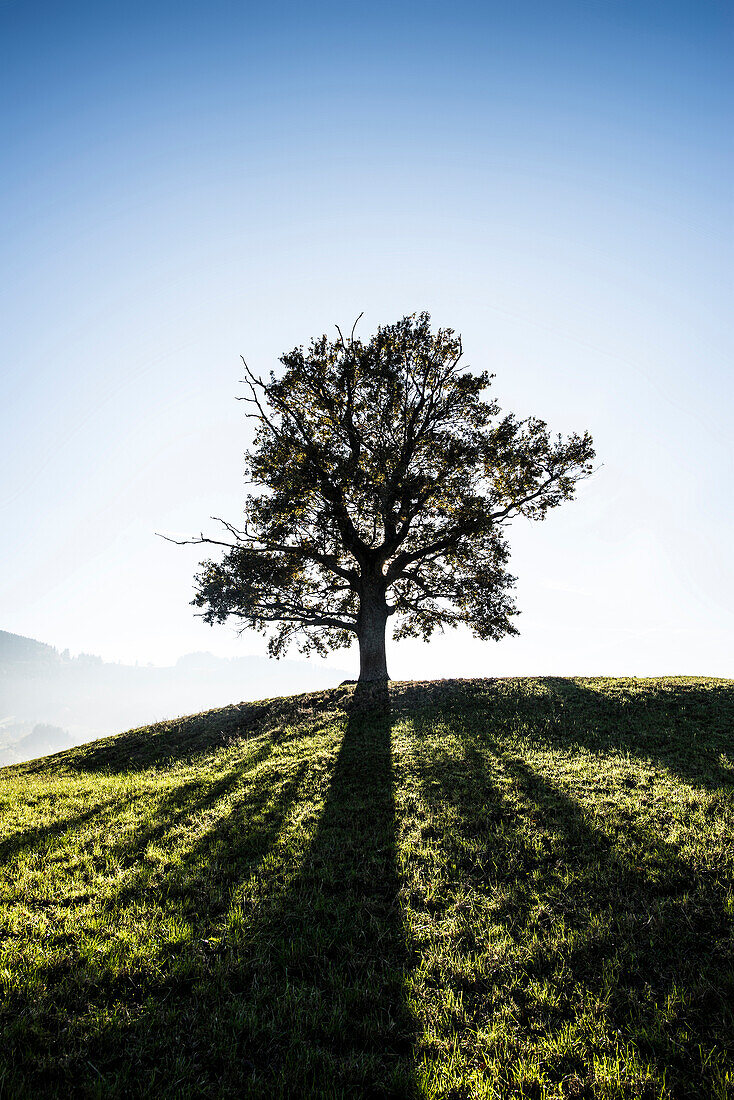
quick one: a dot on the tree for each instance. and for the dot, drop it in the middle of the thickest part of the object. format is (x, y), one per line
(385, 480)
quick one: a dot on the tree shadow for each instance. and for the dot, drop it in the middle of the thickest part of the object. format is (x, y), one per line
(279, 955)
(194, 798)
(614, 916)
(327, 958)
(678, 723)
(683, 725)
(166, 987)
(46, 836)
(282, 980)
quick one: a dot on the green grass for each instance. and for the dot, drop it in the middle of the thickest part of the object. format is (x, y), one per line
(512, 888)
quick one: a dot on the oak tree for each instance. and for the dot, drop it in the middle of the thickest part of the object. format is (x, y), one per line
(385, 478)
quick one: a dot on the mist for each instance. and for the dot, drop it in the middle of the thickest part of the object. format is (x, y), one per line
(50, 700)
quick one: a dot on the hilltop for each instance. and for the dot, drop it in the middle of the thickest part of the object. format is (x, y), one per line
(499, 888)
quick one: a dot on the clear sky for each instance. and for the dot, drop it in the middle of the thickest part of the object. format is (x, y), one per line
(184, 183)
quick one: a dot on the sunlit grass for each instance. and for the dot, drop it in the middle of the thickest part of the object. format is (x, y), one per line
(518, 888)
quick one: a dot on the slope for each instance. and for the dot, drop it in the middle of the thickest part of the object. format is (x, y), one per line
(497, 888)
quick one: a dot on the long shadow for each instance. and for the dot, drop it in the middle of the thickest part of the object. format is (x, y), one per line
(289, 976)
(46, 836)
(208, 872)
(295, 989)
(177, 805)
(191, 988)
(193, 796)
(680, 724)
(684, 726)
(329, 959)
(581, 903)
(668, 935)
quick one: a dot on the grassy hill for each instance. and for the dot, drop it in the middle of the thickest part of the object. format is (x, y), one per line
(511, 888)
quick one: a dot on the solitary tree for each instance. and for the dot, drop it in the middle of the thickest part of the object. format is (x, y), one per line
(385, 480)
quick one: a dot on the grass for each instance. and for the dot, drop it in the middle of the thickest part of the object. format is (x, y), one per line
(512, 888)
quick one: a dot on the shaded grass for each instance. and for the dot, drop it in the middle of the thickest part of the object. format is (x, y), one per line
(517, 888)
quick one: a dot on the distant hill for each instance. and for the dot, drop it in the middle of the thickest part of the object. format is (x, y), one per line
(83, 697)
(503, 889)
(17, 650)
(40, 740)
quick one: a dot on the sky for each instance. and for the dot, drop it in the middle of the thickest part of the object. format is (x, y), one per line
(184, 184)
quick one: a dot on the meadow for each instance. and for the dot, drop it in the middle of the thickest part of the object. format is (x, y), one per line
(489, 888)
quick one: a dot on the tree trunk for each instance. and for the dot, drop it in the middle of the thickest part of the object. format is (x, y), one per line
(371, 627)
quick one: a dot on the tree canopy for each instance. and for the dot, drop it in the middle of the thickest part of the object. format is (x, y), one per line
(385, 477)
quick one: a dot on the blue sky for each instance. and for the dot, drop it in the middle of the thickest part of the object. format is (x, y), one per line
(183, 184)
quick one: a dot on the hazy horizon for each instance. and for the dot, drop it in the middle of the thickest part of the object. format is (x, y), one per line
(51, 700)
(183, 185)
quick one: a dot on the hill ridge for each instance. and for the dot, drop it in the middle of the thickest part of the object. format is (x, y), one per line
(402, 693)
